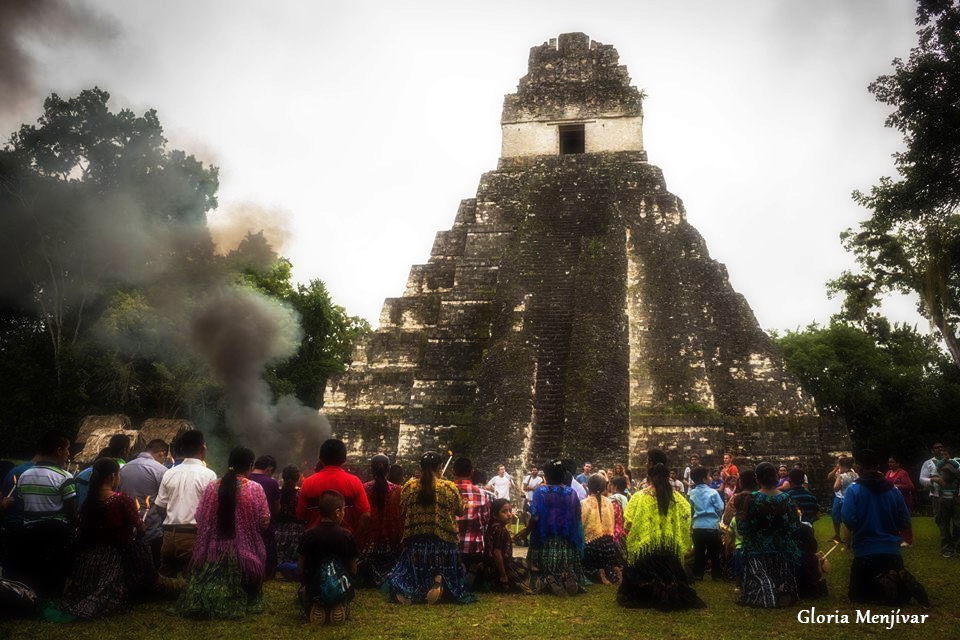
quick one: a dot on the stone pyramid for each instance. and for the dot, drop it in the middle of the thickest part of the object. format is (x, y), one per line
(571, 311)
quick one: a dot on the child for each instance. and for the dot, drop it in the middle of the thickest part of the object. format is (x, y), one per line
(842, 476)
(729, 488)
(716, 483)
(327, 562)
(707, 507)
(505, 572)
(617, 488)
(602, 559)
(811, 582)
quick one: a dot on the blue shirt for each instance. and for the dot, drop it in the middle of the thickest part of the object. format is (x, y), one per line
(876, 514)
(707, 507)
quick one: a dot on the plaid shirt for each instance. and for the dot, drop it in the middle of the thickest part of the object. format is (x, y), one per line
(476, 516)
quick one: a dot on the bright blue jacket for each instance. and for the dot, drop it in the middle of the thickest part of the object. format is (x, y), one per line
(876, 514)
(707, 507)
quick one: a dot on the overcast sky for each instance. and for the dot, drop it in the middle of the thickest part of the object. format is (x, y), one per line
(359, 126)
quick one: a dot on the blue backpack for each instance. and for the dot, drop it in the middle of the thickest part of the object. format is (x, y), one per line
(330, 584)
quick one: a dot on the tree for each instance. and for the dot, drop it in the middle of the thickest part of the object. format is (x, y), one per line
(894, 387)
(911, 241)
(92, 201)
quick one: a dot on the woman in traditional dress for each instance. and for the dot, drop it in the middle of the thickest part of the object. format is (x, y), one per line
(227, 568)
(602, 560)
(112, 565)
(901, 480)
(658, 524)
(380, 542)
(289, 527)
(769, 524)
(556, 535)
(429, 568)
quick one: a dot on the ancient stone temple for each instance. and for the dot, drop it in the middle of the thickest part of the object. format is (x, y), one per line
(571, 311)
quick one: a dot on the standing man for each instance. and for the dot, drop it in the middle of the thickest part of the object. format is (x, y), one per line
(583, 477)
(140, 479)
(472, 523)
(947, 514)
(530, 482)
(178, 497)
(694, 463)
(928, 472)
(728, 468)
(501, 484)
(332, 477)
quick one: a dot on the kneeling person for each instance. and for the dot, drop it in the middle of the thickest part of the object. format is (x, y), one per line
(328, 563)
(876, 514)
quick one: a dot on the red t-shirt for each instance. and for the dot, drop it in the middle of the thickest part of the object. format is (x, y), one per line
(730, 471)
(333, 478)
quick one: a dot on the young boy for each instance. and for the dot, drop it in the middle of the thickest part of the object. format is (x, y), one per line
(328, 563)
(707, 509)
(505, 572)
(842, 477)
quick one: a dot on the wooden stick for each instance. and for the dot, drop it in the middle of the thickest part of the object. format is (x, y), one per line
(835, 545)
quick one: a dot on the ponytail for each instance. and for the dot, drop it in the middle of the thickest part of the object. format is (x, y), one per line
(429, 463)
(380, 467)
(103, 468)
(659, 476)
(240, 461)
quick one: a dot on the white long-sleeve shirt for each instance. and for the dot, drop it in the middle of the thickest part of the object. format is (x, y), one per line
(927, 471)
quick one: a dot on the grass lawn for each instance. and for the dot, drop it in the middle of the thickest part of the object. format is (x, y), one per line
(593, 615)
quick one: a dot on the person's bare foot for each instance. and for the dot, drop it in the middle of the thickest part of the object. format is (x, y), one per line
(603, 577)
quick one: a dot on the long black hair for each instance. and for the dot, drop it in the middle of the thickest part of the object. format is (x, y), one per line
(659, 476)
(429, 463)
(597, 484)
(380, 467)
(103, 469)
(290, 475)
(240, 461)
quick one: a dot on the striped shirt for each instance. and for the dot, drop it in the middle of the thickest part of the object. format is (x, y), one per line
(44, 489)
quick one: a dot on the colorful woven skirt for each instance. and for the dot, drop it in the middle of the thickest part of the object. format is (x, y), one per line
(422, 559)
(216, 591)
(602, 553)
(377, 559)
(556, 557)
(288, 535)
(769, 580)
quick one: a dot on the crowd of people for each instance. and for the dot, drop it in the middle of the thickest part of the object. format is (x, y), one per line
(164, 524)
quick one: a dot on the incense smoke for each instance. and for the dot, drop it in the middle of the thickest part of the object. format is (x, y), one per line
(51, 20)
(240, 332)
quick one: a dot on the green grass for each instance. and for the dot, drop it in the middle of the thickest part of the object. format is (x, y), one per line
(593, 615)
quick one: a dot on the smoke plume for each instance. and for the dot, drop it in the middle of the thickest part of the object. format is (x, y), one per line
(230, 224)
(49, 20)
(240, 332)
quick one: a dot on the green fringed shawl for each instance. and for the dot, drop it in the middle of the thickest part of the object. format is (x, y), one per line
(650, 531)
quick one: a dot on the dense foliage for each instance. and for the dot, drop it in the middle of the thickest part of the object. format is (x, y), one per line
(911, 241)
(894, 387)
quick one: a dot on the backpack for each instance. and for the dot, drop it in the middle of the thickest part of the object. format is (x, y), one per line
(330, 584)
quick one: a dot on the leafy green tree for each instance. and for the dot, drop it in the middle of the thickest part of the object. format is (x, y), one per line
(894, 387)
(911, 241)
